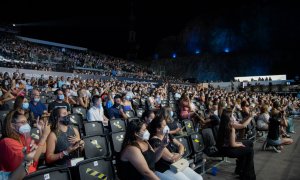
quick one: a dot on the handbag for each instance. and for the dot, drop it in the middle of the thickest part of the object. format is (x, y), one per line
(179, 165)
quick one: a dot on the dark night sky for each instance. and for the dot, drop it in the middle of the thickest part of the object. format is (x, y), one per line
(104, 25)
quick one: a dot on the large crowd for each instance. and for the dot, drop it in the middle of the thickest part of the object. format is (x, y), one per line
(155, 118)
(28, 55)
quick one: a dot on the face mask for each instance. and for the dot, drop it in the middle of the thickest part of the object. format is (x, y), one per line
(166, 130)
(171, 113)
(145, 136)
(17, 85)
(25, 105)
(6, 83)
(36, 99)
(61, 97)
(100, 106)
(128, 98)
(216, 112)
(29, 83)
(68, 94)
(24, 129)
(65, 120)
(97, 93)
(1, 93)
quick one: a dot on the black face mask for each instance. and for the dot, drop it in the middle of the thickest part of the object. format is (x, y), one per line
(65, 120)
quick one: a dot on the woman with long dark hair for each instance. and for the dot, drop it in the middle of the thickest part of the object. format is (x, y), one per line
(173, 152)
(137, 158)
(229, 147)
(16, 138)
(63, 140)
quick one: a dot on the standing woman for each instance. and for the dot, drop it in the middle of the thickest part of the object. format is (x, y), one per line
(229, 147)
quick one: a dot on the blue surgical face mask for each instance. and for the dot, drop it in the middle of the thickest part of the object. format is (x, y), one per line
(171, 113)
(25, 105)
(36, 99)
(100, 106)
(128, 98)
(25, 129)
(61, 97)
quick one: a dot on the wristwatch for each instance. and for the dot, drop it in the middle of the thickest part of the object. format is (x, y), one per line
(66, 153)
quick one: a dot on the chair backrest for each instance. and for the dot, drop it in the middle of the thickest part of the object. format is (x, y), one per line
(197, 142)
(136, 102)
(187, 148)
(43, 99)
(93, 128)
(80, 110)
(173, 106)
(35, 133)
(10, 104)
(96, 168)
(50, 174)
(117, 125)
(143, 101)
(139, 112)
(130, 113)
(76, 119)
(189, 126)
(117, 140)
(96, 146)
(3, 115)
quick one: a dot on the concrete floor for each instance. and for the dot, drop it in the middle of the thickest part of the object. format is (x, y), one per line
(268, 164)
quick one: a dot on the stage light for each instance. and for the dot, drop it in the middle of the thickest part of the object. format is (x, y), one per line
(197, 51)
(174, 55)
(226, 50)
(14, 25)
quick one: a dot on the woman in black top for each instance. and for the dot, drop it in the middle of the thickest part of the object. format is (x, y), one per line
(63, 140)
(277, 120)
(229, 147)
(137, 158)
(172, 153)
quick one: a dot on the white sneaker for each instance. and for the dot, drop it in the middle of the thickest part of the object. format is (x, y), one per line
(276, 150)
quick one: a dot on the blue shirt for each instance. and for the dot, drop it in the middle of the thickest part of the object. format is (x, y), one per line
(115, 112)
(37, 109)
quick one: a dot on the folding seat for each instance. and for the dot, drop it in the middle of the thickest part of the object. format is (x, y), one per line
(35, 134)
(76, 120)
(136, 102)
(43, 99)
(96, 168)
(80, 110)
(10, 104)
(50, 173)
(187, 147)
(93, 128)
(189, 126)
(96, 146)
(117, 125)
(173, 106)
(130, 114)
(164, 103)
(197, 145)
(139, 112)
(117, 140)
(3, 115)
(143, 102)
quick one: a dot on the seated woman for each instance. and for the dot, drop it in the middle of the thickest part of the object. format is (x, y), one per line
(172, 153)
(16, 136)
(83, 99)
(63, 140)
(137, 158)
(167, 114)
(263, 118)
(22, 106)
(277, 120)
(228, 146)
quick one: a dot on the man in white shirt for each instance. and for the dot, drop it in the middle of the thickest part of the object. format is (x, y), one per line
(96, 113)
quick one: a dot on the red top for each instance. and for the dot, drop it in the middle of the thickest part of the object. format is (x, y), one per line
(11, 155)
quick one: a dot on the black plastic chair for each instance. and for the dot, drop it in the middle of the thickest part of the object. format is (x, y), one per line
(96, 168)
(93, 128)
(96, 146)
(187, 147)
(80, 110)
(189, 126)
(117, 141)
(50, 173)
(117, 125)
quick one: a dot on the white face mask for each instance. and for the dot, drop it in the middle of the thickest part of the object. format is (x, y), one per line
(216, 112)
(166, 130)
(24, 129)
(145, 136)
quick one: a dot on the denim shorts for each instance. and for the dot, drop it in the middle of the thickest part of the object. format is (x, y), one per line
(274, 142)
